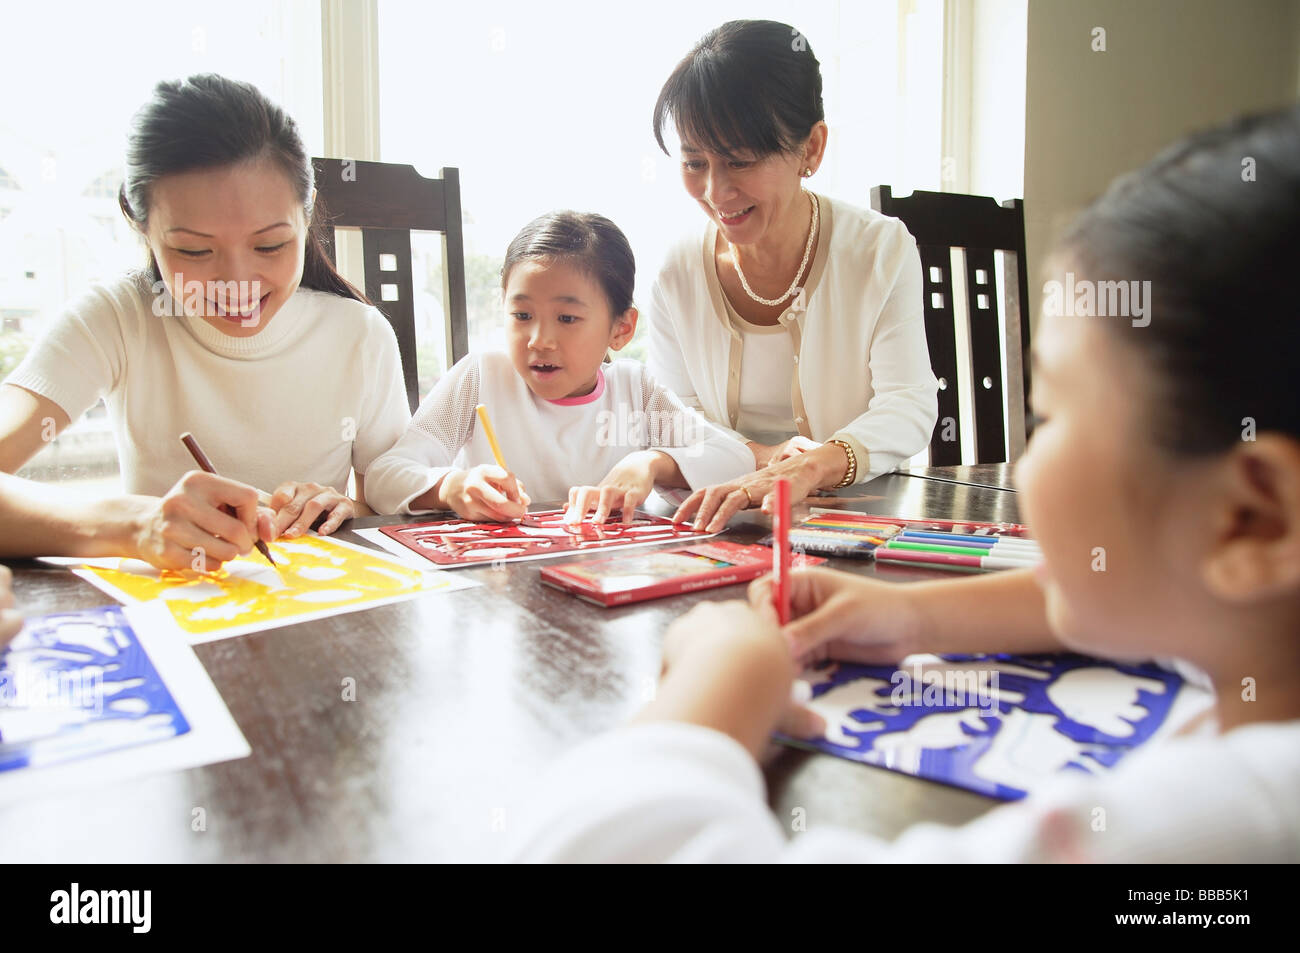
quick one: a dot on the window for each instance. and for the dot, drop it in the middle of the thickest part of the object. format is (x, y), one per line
(61, 154)
(541, 112)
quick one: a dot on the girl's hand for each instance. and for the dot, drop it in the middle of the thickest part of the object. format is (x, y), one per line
(10, 621)
(297, 506)
(714, 506)
(727, 667)
(484, 493)
(190, 527)
(844, 617)
(624, 488)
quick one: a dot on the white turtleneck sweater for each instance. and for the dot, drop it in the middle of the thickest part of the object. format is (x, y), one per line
(318, 391)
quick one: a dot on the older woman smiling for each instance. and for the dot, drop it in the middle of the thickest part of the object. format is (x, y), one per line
(794, 320)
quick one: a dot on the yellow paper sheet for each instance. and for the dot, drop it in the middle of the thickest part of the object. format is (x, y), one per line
(317, 576)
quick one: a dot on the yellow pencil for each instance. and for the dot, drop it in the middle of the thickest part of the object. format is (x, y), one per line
(491, 435)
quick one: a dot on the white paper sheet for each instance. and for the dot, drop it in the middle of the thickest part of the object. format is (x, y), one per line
(213, 736)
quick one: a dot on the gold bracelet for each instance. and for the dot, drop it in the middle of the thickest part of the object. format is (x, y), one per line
(851, 474)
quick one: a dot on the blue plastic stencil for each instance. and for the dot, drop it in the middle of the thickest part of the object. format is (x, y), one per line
(77, 684)
(995, 724)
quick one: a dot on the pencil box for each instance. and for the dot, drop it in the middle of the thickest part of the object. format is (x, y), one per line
(637, 577)
(847, 534)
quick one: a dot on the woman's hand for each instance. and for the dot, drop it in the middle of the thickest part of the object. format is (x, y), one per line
(10, 621)
(191, 527)
(298, 505)
(848, 618)
(726, 666)
(624, 488)
(765, 454)
(484, 493)
(714, 506)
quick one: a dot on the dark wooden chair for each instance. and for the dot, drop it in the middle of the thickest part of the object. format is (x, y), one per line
(387, 202)
(940, 222)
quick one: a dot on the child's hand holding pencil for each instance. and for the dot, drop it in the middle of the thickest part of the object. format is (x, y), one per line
(727, 666)
(486, 492)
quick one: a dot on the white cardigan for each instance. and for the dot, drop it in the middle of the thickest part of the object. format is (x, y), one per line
(862, 366)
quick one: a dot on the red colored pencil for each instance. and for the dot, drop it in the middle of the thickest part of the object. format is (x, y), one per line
(781, 551)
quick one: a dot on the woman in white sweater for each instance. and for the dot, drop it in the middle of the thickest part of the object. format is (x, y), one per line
(1188, 478)
(795, 321)
(239, 331)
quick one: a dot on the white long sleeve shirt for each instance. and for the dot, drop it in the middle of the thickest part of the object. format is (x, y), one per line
(862, 369)
(314, 394)
(670, 791)
(551, 445)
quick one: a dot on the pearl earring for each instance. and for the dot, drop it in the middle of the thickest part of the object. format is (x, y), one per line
(807, 172)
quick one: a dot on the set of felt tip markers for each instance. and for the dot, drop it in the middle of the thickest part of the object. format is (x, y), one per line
(962, 552)
(929, 544)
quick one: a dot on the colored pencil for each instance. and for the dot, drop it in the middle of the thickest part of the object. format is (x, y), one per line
(964, 538)
(951, 560)
(206, 466)
(781, 550)
(831, 532)
(903, 521)
(491, 435)
(1009, 552)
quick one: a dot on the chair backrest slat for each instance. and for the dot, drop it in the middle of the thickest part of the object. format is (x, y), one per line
(979, 227)
(387, 202)
(985, 355)
(393, 292)
(941, 336)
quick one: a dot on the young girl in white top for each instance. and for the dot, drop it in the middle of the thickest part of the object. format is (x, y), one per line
(239, 331)
(1174, 444)
(597, 436)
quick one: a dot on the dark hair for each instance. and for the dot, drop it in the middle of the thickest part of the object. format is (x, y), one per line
(590, 242)
(749, 85)
(1214, 224)
(207, 121)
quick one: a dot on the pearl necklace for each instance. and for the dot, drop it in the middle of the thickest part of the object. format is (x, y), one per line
(798, 275)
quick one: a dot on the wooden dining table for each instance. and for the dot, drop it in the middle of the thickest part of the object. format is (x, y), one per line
(458, 703)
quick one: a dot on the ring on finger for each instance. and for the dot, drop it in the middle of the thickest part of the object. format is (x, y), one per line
(749, 500)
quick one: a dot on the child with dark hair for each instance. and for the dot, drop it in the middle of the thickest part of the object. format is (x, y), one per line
(1172, 441)
(602, 435)
(238, 330)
